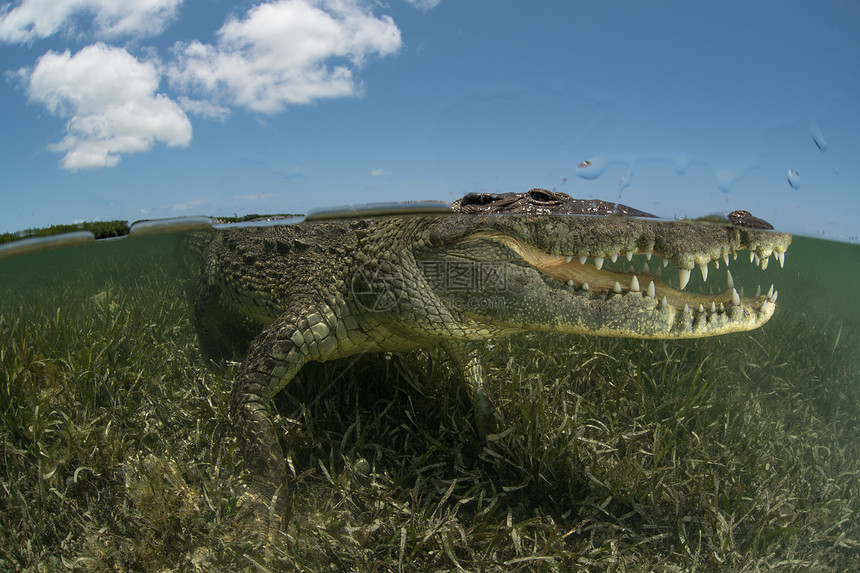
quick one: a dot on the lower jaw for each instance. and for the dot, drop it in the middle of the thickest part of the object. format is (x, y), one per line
(666, 296)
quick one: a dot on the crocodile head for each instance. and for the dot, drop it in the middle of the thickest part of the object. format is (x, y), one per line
(533, 261)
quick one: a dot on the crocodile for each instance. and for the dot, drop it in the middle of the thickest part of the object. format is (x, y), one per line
(277, 297)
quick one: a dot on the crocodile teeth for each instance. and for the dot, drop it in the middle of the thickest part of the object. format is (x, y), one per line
(665, 301)
(764, 306)
(775, 294)
(701, 308)
(758, 290)
(683, 277)
(635, 284)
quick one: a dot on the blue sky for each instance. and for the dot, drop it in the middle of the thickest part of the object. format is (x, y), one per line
(162, 108)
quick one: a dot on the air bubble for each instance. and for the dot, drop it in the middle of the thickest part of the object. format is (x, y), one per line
(794, 178)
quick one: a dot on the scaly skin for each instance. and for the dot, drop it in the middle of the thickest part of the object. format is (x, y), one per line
(285, 295)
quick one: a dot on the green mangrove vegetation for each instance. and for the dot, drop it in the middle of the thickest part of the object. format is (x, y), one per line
(101, 230)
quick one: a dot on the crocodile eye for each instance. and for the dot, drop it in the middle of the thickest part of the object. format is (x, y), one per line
(542, 196)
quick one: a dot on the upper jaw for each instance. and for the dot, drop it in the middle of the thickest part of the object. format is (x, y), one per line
(588, 271)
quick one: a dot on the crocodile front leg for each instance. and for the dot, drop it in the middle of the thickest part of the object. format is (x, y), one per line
(317, 333)
(466, 355)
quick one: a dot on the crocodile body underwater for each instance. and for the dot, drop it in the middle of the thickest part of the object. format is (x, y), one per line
(280, 296)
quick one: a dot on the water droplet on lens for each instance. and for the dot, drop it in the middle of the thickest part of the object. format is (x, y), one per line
(725, 180)
(819, 140)
(681, 164)
(591, 168)
(794, 178)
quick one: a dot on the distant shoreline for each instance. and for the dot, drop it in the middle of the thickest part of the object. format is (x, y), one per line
(118, 228)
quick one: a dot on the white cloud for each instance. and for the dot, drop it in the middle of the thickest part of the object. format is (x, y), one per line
(379, 172)
(254, 197)
(111, 101)
(424, 4)
(204, 108)
(35, 19)
(286, 52)
(188, 205)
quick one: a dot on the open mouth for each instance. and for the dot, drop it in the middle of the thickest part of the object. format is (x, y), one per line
(600, 275)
